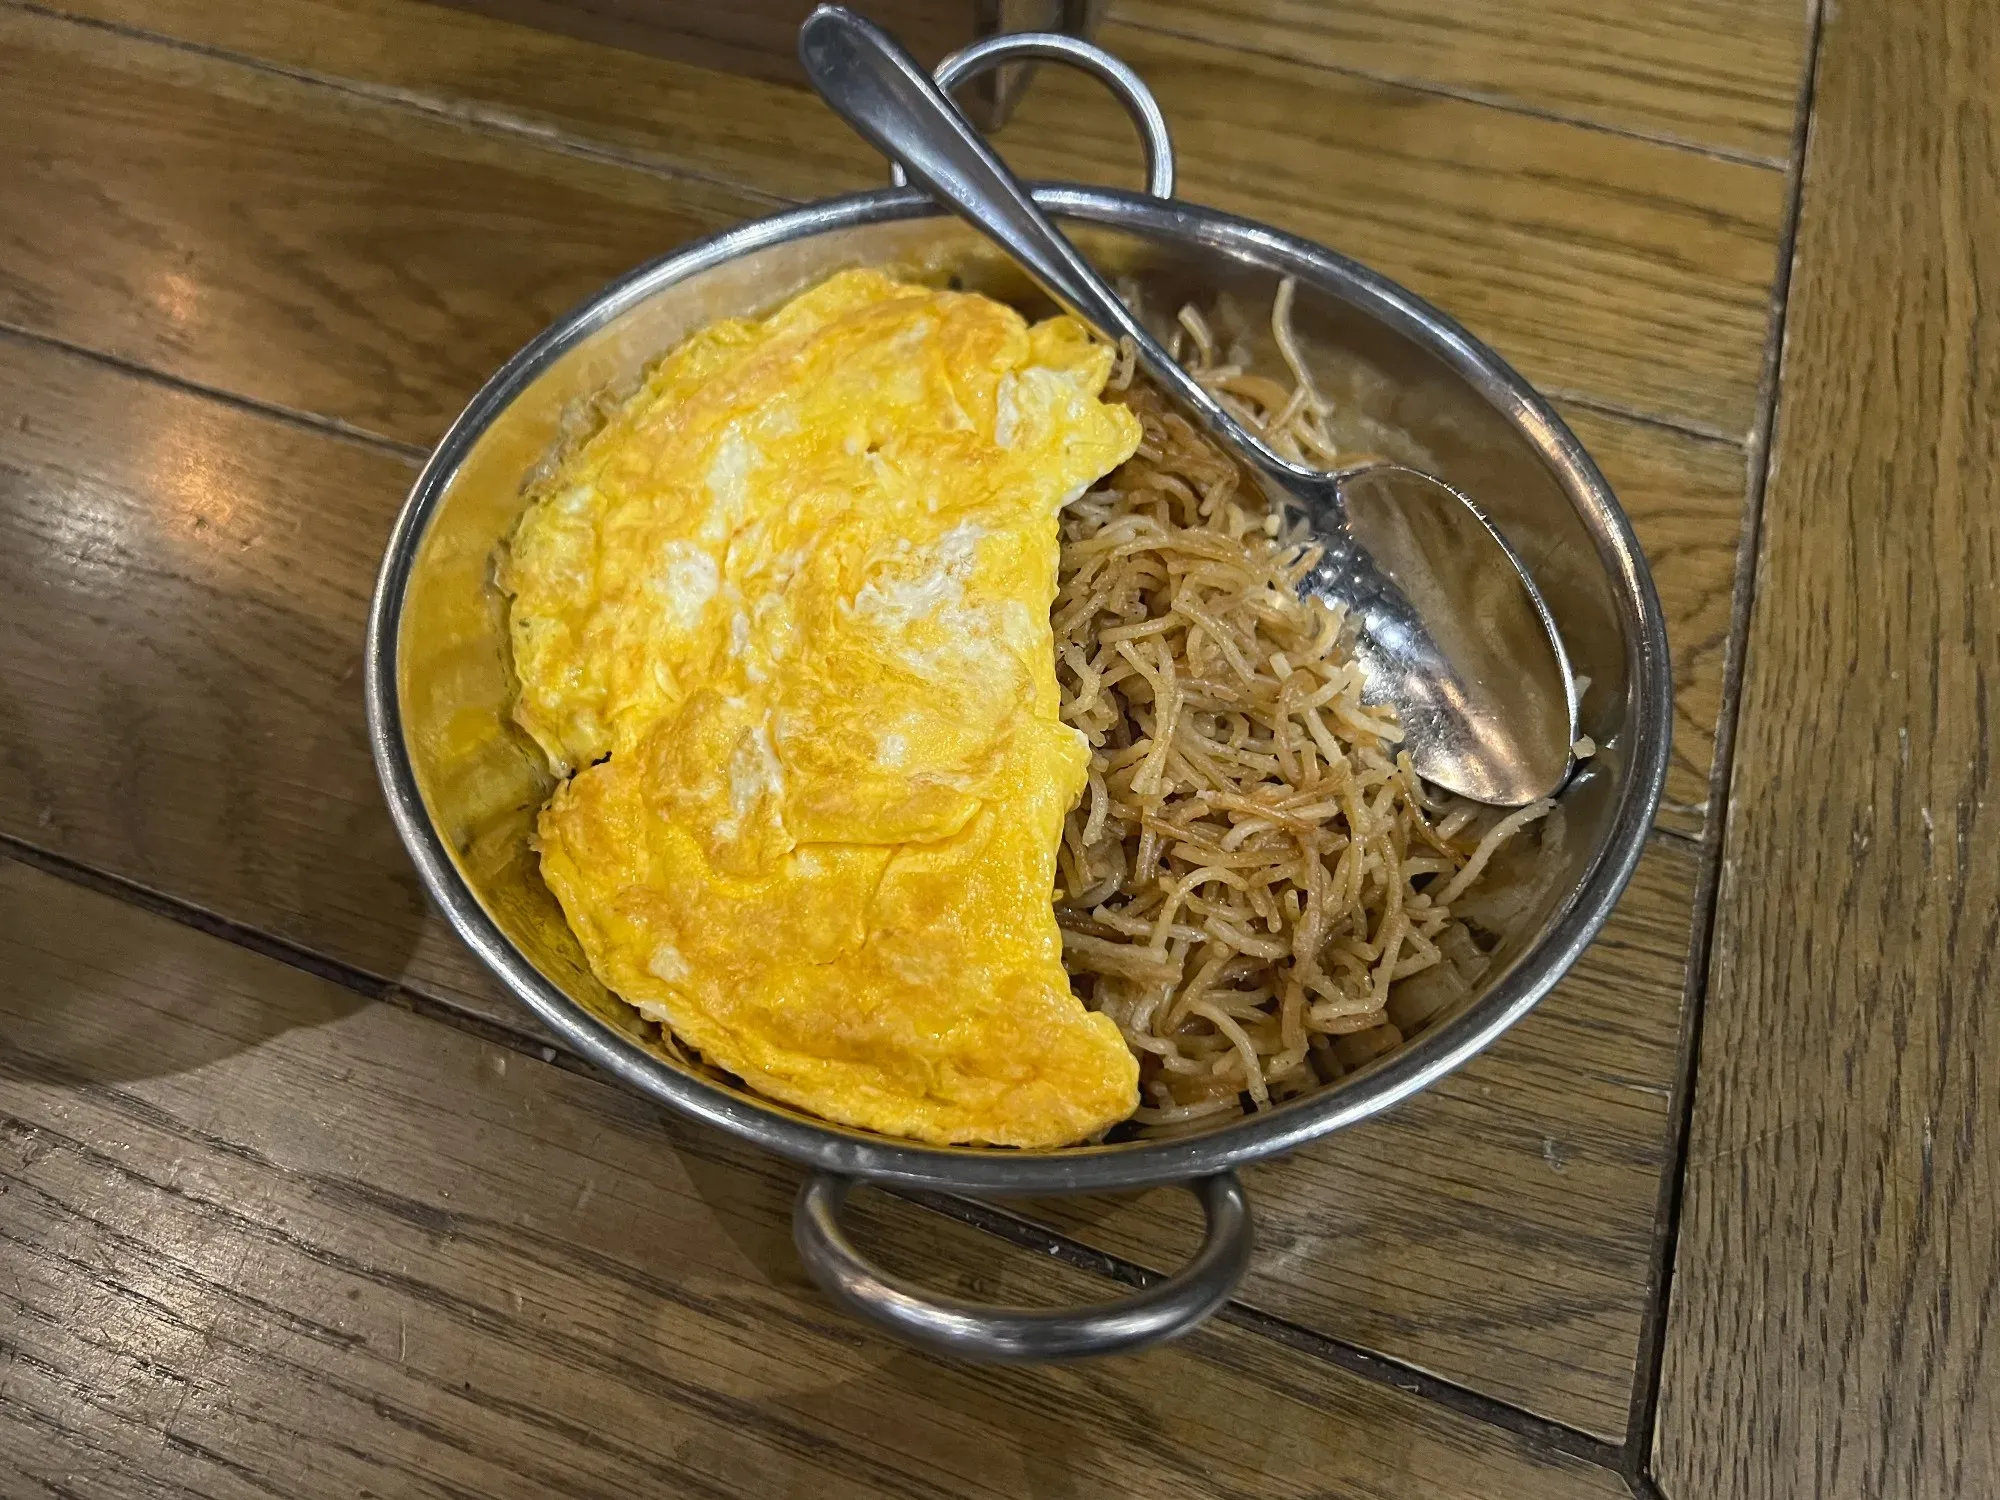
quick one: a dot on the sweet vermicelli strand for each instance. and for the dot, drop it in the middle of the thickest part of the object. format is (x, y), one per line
(1254, 863)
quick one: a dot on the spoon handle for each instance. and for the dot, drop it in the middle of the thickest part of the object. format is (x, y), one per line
(877, 87)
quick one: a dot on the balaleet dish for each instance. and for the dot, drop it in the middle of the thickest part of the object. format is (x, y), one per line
(464, 785)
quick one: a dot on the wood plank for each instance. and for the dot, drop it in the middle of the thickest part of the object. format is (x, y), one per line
(1835, 1326)
(291, 243)
(264, 1238)
(1718, 74)
(757, 37)
(658, 111)
(225, 763)
(760, 37)
(1686, 499)
(209, 570)
(1629, 274)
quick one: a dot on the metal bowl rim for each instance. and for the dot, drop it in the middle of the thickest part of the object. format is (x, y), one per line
(1077, 1168)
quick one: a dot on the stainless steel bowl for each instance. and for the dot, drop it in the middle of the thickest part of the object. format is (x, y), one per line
(464, 785)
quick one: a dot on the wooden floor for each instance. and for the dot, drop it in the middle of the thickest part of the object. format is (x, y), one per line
(293, 1201)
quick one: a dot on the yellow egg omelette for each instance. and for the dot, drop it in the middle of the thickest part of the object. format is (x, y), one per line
(783, 622)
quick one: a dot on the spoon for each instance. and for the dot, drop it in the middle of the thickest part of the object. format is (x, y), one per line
(1453, 634)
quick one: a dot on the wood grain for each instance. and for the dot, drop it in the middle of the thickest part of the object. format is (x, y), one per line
(1719, 74)
(757, 37)
(294, 244)
(261, 1238)
(669, 115)
(1686, 500)
(1629, 274)
(760, 37)
(225, 763)
(185, 586)
(1835, 1327)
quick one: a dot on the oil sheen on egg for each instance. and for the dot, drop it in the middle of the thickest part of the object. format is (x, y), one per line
(785, 617)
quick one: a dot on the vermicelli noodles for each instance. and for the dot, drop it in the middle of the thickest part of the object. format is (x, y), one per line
(1254, 863)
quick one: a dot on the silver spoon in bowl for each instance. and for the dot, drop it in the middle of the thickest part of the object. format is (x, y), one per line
(1453, 634)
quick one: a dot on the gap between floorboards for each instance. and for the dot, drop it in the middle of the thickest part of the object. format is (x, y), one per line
(1643, 1414)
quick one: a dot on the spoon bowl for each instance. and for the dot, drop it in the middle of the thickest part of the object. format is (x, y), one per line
(1480, 679)
(1453, 634)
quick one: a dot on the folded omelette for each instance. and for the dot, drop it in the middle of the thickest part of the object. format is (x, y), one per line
(782, 622)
